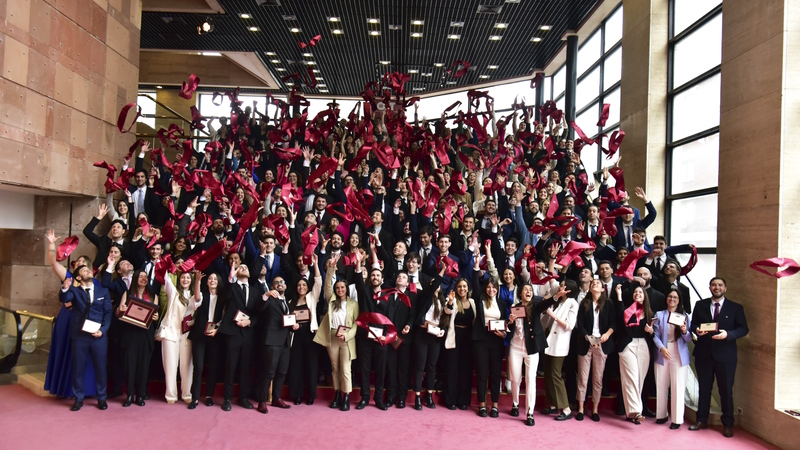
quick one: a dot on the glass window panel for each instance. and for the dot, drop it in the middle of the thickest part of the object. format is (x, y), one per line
(612, 98)
(696, 109)
(695, 165)
(213, 112)
(589, 53)
(613, 29)
(559, 82)
(432, 107)
(588, 89)
(700, 276)
(589, 160)
(698, 52)
(612, 68)
(688, 12)
(345, 106)
(606, 161)
(548, 88)
(587, 121)
(148, 108)
(505, 94)
(694, 221)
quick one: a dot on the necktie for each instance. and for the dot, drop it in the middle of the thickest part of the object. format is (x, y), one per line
(658, 264)
(629, 240)
(716, 311)
(412, 279)
(593, 231)
(424, 254)
(284, 306)
(88, 294)
(319, 218)
(245, 291)
(269, 262)
(139, 201)
(508, 261)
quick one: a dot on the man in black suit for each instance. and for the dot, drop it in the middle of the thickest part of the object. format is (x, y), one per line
(398, 360)
(276, 344)
(143, 196)
(715, 352)
(669, 278)
(116, 235)
(371, 354)
(237, 327)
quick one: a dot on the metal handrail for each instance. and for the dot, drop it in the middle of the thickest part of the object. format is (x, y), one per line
(177, 115)
(36, 316)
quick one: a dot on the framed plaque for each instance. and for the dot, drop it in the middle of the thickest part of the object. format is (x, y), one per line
(677, 319)
(342, 330)
(397, 342)
(289, 320)
(139, 313)
(186, 324)
(708, 327)
(518, 311)
(594, 340)
(497, 325)
(240, 316)
(303, 315)
(434, 330)
(376, 333)
(210, 328)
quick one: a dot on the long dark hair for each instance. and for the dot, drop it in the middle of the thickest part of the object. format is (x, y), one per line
(337, 305)
(589, 299)
(648, 312)
(133, 291)
(674, 289)
(487, 301)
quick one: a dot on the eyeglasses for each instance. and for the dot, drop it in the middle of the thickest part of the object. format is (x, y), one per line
(278, 282)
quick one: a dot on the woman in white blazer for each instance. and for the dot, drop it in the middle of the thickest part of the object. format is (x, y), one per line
(558, 322)
(176, 348)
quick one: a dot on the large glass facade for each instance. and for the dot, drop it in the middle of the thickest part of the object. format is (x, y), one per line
(693, 111)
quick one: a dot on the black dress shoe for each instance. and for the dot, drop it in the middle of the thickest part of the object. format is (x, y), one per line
(579, 416)
(363, 403)
(482, 412)
(127, 402)
(337, 398)
(76, 406)
(562, 416)
(146, 396)
(298, 401)
(429, 403)
(494, 413)
(463, 407)
(310, 402)
(698, 426)
(244, 403)
(529, 421)
(674, 426)
(226, 405)
(550, 410)
(278, 403)
(193, 404)
(139, 401)
(648, 413)
(595, 417)
(727, 432)
(209, 401)
(262, 407)
(515, 411)
(662, 421)
(417, 403)
(401, 404)
(345, 403)
(451, 407)
(380, 405)
(102, 405)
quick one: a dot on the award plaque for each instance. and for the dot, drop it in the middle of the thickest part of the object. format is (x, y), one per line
(289, 320)
(518, 311)
(594, 340)
(342, 330)
(677, 319)
(139, 313)
(376, 333)
(303, 315)
(210, 328)
(434, 330)
(186, 324)
(240, 316)
(397, 342)
(708, 327)
(497, 325)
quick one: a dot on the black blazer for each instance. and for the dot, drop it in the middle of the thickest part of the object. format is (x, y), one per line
(425, 300)
(103, 243)
(479, 330)
(198, 331)
(535, 339)
(662, 285)
(272, 313)
(585, 325)
(731, 319)
(235, 301)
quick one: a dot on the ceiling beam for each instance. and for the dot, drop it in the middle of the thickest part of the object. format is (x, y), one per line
(231, 69)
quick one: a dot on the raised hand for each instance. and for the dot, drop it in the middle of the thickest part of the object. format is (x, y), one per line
(50, 235)
(102, 210)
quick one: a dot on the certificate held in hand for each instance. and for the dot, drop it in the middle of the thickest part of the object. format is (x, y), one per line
(240, 316)
(676, 319)
(90, 326)
(708, 327)
(210, 328)
(289, 320)
(518, 311)
(497, 325)
(139, 313)
(303, 315)
(342, 330)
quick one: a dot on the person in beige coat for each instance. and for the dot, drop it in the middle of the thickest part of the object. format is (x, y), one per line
(337, 333)
(558, 322)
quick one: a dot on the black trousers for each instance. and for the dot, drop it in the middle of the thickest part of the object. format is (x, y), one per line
(371, 355)
(570, 373)
(208, 352)
(426, 354)
(138, 346)
(238, 350)
(276, 364)
(116, 358)
(398, 369)
(488, 353)
(303, 364)
(707, 370)
(458, 367)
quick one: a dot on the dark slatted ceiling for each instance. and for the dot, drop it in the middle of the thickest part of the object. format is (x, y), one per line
(346, 62)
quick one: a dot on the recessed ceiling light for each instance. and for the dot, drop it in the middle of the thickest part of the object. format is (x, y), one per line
(294, 30)
(393, 27)
(495, 37)
(438, 64)
(253, 28)
(325, 91)
(211, 53)
(318, 78)
(289, 17)
(536, 39)
(492, 67)
(419, 88)
(428, 74)
(311, 63)
(451, 82)
(454, 36)
(484, 76)
(245, 15)
(374, 33)
(417, 22)
(308, 55)
(386, 63)
(545, 27)
(373, 21)
(413, 71)
(316, 71)
(416, 35)
(270, 53)
(512, 1)
(333, 19)
(275, 61)
(457, 23)
(337, 31)
(281, 69)
(159, 87)
(321, 85)
(500, 25)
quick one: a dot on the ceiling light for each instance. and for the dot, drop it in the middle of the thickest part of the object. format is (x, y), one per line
(270, 53)
(395, 27)
(211, 53)
(324, 91)
(454, 36)
(456, 23)
(318, 78)
(289, 17)
(417, 22)
(419, 88)
(159, 87)
(545, 27)
(337, 31)
(413, 71)
(492, 67)
(386, 63)
(416, 35)
(253, 28)
(311, 63)
(500, 25)
(373, 21)
(281, 69)
(451, 82)
(275, 61)
(495, 37)
(308, 55)
(294, 30)
(536, 39)
(512, 1)
(333, 19)
(374, 33)
(438, 64)
(316, 71)
(484, 76)
(321, 85)
(428, 74)
(245, 15)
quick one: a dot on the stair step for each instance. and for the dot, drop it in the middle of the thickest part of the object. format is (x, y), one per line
(34, 382)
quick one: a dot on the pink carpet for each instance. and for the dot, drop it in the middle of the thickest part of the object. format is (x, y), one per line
(31, 422)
